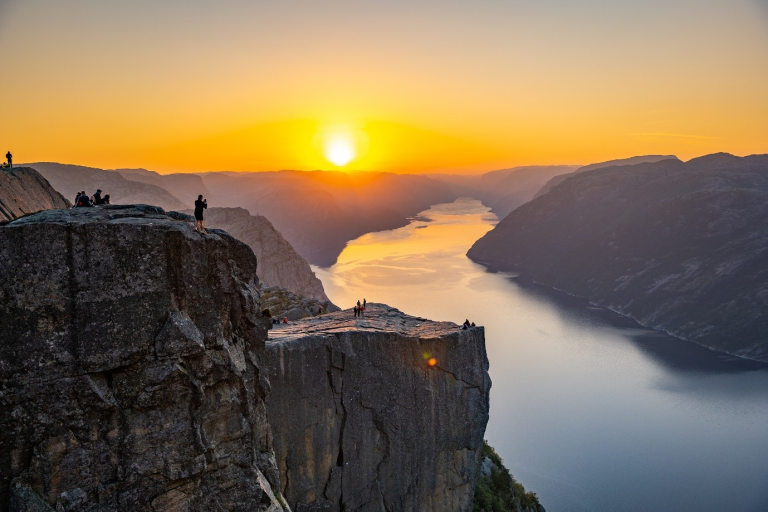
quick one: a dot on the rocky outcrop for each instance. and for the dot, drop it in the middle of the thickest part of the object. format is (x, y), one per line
(280, 265)
(679, 246)
(129, 366)
(385, 412)
(23, 190)
(282, 304)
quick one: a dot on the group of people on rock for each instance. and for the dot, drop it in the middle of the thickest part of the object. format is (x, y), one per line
(466, 325)
(82, 199)
(360, 308)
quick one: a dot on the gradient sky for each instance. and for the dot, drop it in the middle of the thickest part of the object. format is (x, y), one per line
(423, 85)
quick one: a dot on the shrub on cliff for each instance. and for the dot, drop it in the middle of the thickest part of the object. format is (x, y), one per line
(498, 491)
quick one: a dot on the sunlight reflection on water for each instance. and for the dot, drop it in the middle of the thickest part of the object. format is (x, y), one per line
(588, 409)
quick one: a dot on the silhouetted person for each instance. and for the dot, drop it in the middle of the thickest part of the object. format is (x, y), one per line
(356, 311)
(9, 156)
(97, 200)
(106, 199)
(200, 205)
(363, 303)
(83, 200)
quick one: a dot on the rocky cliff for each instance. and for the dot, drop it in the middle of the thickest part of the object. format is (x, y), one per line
(385, 412)
(23, 190)
(679, 246)
(280, 265)
(129, 366)
(135, 371)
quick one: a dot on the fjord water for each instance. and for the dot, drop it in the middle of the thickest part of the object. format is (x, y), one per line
(588, 409)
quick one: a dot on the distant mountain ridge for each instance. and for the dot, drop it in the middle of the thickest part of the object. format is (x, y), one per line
(643, 159)
(504, 190)
(70, 179)
(679, 246)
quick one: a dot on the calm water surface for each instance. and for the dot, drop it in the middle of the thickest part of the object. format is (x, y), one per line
(588, 409)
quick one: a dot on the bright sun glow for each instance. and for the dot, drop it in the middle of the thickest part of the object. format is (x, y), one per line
(341, 145)
(339, 150)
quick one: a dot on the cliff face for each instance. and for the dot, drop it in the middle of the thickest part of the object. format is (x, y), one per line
(129, 371)
(280, 265)
(362, 421)
(679, 246)
(23, 190)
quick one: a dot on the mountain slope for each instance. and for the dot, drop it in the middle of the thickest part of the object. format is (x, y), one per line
(23, 190)
(185, 187)
(680, 246)
(645, 159)
(279, 264)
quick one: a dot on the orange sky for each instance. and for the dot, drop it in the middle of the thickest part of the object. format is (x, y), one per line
(420, 85)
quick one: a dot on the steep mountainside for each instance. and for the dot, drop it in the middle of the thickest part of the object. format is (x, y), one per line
(69, 179)
(280, 265)
(679, 246)
(363, 421)
(23, 190)
(645, 159)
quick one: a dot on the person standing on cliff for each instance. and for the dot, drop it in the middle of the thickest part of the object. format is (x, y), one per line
(200, 205)
(9, 156)
(355, 309)
(364, 303)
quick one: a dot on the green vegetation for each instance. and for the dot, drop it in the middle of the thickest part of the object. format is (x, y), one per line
(499, 491)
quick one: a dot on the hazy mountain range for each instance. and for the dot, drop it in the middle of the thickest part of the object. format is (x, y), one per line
(680, 246)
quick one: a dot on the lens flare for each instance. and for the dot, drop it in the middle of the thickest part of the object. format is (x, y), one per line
(432, 361)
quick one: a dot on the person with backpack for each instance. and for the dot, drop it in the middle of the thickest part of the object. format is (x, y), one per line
(200, 205)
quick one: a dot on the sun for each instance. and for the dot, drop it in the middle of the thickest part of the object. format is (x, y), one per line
(341, 145)
(339, 150)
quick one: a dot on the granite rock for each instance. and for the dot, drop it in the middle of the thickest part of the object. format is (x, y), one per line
(23, 191)
(129, 366)
(362, 421)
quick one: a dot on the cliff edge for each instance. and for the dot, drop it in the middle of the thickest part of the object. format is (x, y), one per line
(23, 190)
(384, 412)
(129, 371)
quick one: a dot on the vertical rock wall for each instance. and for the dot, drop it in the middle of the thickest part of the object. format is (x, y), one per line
(129, 371)
(362, 421)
